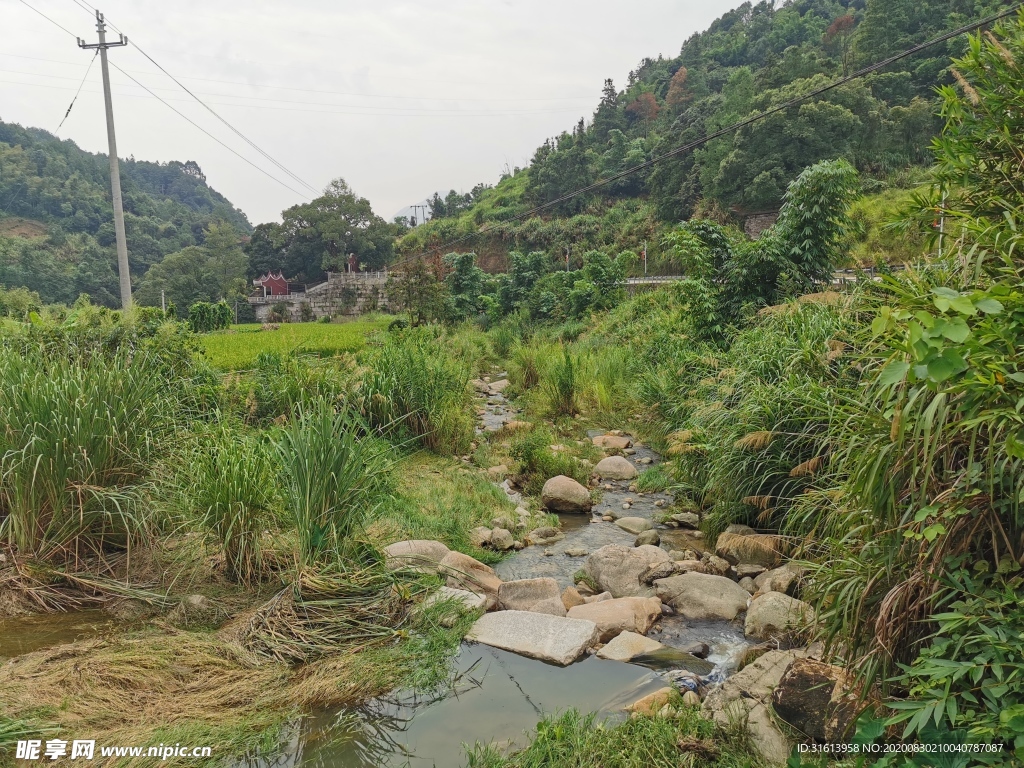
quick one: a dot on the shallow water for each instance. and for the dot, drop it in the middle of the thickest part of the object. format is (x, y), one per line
(24, 634)
(497, 697)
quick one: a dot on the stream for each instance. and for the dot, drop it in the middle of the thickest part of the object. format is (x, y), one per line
(498, 697)
(495, 696)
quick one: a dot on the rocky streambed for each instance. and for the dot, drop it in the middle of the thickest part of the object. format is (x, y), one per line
(611, 612)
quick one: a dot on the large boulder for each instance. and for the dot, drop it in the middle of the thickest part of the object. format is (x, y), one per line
(521, 594)
(819, 700)
(743, 698)
(555, 639)
(775, 615)
(784, 579)
(616, 569)
(701, 596)
(615, 468)
(465, 572)
(623, 614)
(635, 525)
(614, 442)
(628, 645)
(753, 548)
(420, 555)
(563, 494)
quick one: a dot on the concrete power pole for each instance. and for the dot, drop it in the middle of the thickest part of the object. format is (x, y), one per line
(123, 276)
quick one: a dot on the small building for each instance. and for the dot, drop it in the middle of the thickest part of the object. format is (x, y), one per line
(272, 284)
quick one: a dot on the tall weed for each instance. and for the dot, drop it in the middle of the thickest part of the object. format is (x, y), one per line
(335, 479)
(80, 437)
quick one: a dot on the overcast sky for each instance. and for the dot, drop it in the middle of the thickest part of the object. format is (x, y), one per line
(399, 98)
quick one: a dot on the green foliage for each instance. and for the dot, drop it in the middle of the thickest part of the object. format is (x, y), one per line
(214, 271)
(573, 740)
(228, 485)
(238, 348)
(415, 390)
(204, 317)
(318, 236)
(334, 480)
(82, 436)
(970, 678)
(64, 244)
(978, 179)
(536, 463)
(562, 383)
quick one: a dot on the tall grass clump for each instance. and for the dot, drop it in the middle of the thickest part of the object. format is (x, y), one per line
(536, 463)
(335, 478)
(562, 383)
(527, 363)
(80, 437)
(414, 389)
(228, 485)
(608, 376)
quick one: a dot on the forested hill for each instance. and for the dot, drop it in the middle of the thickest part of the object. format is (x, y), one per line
(750, 59)
(56, 222)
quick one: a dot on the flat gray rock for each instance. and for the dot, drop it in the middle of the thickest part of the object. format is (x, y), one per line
(555, 639)
(520, 595)
(628, 645)
(701, 596)
(467, 598)
(635, 525)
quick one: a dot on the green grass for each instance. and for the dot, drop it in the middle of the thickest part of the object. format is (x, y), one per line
(573, 740)
(236, 349)
(440, 499)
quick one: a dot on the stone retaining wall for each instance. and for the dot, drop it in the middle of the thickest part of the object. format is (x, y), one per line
(342, 294)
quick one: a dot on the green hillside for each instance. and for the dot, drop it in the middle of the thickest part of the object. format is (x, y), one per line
(56, 223)
(749, 60)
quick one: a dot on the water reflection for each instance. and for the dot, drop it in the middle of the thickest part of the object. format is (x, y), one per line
(495, 697)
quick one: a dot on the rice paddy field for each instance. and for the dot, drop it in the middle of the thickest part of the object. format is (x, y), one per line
(236, 348)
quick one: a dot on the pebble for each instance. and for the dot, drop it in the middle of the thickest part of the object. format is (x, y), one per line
(629, 499)
(608, 518)
(626, 505)
(629, 451)
(659, 503)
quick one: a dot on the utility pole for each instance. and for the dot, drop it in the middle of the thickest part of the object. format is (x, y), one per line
(124, 278)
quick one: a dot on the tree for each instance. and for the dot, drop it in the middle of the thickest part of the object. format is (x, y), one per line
(417, 288)
(678, 95)
(644, 109)
(318, 236)
(838, 36)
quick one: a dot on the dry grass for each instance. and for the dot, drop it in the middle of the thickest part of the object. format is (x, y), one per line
(123, 690)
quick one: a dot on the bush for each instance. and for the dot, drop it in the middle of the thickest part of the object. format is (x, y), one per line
(228, 485)
(415, 390)
(536, 463)
(562, 383)
(78, 447)
(204, 317)
(335, 479)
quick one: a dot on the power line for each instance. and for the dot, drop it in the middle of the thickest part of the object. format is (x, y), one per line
(284, 109)
(265, 173)
(229, 149)
(48, 18)
(735, 126)
(72, 104)
(237, 132)
(448, 111)
(210, 109)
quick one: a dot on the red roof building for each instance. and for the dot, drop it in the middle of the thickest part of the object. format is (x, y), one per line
(272, 284)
